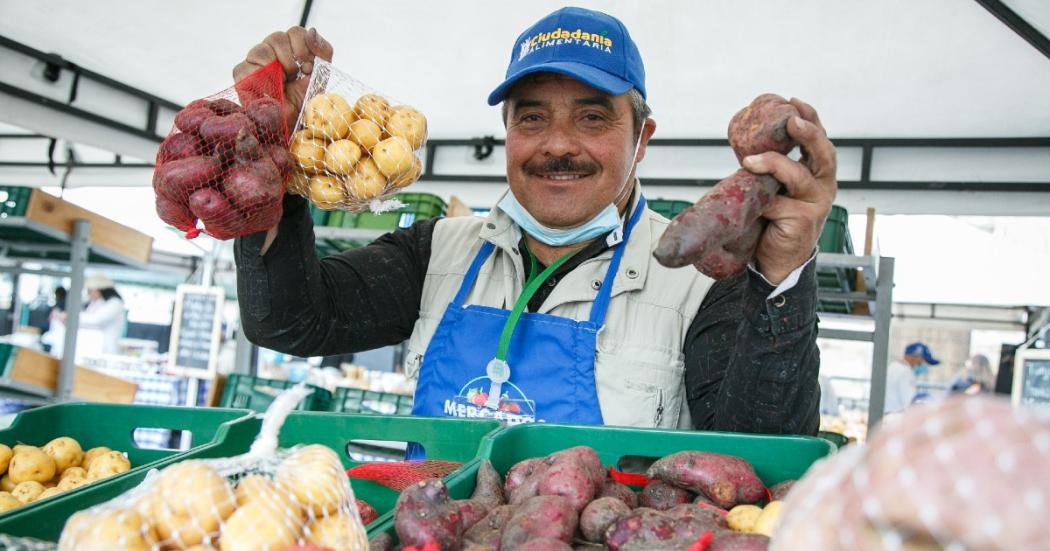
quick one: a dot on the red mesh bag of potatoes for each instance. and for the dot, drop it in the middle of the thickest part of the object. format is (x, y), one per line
(353, 147)
(226, 159)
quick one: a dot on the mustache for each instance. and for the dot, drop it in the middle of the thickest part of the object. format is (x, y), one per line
(560, 164)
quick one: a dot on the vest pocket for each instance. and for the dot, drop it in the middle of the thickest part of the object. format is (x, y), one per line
(639, 394)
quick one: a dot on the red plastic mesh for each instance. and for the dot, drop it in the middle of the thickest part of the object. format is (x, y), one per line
(402, 474)
(226, 159)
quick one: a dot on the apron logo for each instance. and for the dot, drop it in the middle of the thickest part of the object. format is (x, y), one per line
(471, 400)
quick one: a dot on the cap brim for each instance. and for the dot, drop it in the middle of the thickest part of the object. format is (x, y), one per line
(595, 78)
(932, 361)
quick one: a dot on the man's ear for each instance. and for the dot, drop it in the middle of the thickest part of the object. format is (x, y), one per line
(648, 129)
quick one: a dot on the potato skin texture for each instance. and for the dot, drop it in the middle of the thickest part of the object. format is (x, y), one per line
(423, 513)
(762, 126)
(540, 517)
(726, 480)
(599, 514)
(662, 496)
(721, 217)
(487, 532)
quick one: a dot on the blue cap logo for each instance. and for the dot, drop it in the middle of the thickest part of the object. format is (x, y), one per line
(587, 45)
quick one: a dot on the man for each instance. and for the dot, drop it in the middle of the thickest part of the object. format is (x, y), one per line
(553, 308)
(901, 377)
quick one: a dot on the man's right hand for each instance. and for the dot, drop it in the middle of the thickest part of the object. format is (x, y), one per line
(295, 49)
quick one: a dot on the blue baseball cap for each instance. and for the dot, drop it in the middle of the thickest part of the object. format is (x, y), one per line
(921, 350)
(589, 46)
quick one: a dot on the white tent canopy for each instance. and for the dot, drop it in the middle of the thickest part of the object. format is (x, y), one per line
(937, 69)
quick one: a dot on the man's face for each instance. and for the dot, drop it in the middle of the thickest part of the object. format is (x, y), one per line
(570, 148)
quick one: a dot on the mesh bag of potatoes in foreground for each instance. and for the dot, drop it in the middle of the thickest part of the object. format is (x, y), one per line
(354, 148)
(31, 474)
(267, 499)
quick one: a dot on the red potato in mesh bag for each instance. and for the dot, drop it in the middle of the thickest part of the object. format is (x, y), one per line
(725, 479)
(179, 146)
(236, 152)
(178, 179)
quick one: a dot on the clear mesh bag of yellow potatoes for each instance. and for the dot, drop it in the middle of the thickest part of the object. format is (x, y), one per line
(972, 472)
(267, 499)
(354, 147)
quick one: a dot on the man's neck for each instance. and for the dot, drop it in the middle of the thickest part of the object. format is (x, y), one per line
(547, 254)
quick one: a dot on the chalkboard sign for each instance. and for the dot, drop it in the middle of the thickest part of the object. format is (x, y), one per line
(195, 331)
(1032, 378)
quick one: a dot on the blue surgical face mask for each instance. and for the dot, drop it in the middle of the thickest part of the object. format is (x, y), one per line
(604, 222)
(922, 368)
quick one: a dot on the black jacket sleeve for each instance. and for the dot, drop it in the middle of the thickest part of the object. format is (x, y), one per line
(293, 302)
(752, 363)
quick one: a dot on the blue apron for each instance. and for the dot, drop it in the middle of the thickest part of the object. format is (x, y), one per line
(543, 370)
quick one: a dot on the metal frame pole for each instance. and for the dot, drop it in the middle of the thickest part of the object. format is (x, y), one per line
(78, 257)
(16, 303)
(883, 315)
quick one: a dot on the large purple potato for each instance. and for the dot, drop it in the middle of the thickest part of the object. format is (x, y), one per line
(662, 496)
(599, 514)
(726, 480)
(611, 488)
(540, 517)
(488, 488)
(423, 513)
(724, 216)
(486, 533)
(762, 126)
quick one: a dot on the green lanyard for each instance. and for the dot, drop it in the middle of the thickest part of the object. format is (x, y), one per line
(531, 286)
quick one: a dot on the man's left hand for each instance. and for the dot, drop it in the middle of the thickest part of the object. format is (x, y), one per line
(797, 217)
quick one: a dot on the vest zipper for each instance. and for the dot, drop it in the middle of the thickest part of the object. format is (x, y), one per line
(659, 406)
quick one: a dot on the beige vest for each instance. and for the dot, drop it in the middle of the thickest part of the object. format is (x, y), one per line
(639, 368)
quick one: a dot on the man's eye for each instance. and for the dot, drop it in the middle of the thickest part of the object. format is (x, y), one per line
(531, 117)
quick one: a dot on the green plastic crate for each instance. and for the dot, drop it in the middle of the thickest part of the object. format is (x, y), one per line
(110, 425)
(775, 458)
(256, 394)
(319, 216)
(442, 438)
(668, 208)
(835, 238)
(839, 440)
(356, 400)
(418, 206)
(14, 200)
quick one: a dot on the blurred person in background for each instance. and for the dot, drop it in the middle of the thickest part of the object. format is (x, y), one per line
(101, 322)
(976, 378)
(902, 376)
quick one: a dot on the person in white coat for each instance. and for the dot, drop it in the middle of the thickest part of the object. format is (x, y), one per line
(101, 321)
(901, 376)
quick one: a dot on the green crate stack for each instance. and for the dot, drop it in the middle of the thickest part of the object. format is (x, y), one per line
(256, 394)
(319, 216)
(668, 208)
(356, 400)
(112, 426)
(836, 239)
(839, 440)
(775, 458)
(14, 200)
(442, 438)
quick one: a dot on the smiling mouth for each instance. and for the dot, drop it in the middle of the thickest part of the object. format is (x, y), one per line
(561, 177)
